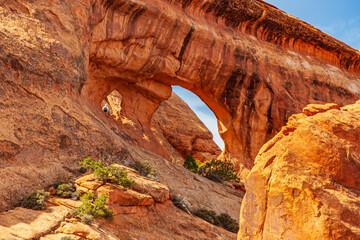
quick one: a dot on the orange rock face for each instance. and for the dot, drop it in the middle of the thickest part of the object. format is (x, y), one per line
(251, 63)
(306, 183)
(184, 131)
(59, 60)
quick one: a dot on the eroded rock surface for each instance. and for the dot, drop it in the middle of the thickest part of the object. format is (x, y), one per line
(306, 180)
(184, 130)
(251, 63)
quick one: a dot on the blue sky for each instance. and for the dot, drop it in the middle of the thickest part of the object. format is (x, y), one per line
(339, 18)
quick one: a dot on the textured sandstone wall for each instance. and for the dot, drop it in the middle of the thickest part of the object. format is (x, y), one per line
(306, 180)
(252, 64)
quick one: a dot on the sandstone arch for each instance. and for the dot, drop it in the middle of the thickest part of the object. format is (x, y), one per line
(234, 64)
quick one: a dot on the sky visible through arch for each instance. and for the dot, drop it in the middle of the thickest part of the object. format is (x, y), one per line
(339, 18)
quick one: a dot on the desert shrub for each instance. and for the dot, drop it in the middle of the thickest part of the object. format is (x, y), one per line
(36, 200)
(209, 216)
(222, 220)
(228, 223)
(218, 171)
(192, 164)
(58, 182)
(145, 169)
(67, 190)
(107, 173)
(181, 202)
(93, 207)
(87, 219)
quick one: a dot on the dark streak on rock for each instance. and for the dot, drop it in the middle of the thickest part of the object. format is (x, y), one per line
(184, 45)
(270, 125)
(231, 94)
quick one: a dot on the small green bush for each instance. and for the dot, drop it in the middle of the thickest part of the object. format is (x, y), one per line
(145, 169)
(181, 203)
(222, 220)
(192, 164)
(93, 207)
(67, 190)
(36, 200)
(107, 173)
(228, 223)
(209, 216)
(218, 171)
(87, 218)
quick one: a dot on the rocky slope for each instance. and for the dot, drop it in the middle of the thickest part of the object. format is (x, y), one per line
(145, 212)
(306, 180)
(184, 131)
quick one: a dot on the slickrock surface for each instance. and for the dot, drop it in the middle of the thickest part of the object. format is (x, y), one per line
(21, 223)
(306, 180)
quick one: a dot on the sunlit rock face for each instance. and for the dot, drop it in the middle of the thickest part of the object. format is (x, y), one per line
(306, 180)
(183, 130)
(251, 63)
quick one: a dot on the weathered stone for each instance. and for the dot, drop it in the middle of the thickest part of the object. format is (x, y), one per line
(124, 197)
(261, 67)
(21, 223)
(79, 229)
(184, 131)
(147, 186)
(306, 184)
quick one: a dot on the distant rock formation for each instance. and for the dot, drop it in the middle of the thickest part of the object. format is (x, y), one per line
(306, 180)
(184, 131)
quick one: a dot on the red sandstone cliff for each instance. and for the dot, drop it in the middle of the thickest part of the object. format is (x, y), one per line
(306, 180)
(252, 64)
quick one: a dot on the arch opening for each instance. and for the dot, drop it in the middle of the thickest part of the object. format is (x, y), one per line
(202, 111)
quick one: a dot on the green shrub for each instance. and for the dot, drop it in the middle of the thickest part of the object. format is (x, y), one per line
(218, 171)
(209, 216)
(145, 169)
(87, 218)
(67, 190)
(192, 164)
(228, 223)
(58, 182)
(222, 220)
(181, 203)
(93, 207)
(36, 200)
(107, 173)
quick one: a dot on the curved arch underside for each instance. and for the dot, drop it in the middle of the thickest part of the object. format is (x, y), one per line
(252, 64)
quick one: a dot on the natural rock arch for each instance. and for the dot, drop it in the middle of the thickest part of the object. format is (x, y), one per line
(251, 84)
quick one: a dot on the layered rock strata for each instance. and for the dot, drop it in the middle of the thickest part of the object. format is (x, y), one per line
(60, 59)
(251, 63)
(306, 180)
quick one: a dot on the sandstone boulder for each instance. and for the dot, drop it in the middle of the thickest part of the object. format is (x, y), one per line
(124, 197)
(158, 191)
(306, 183)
